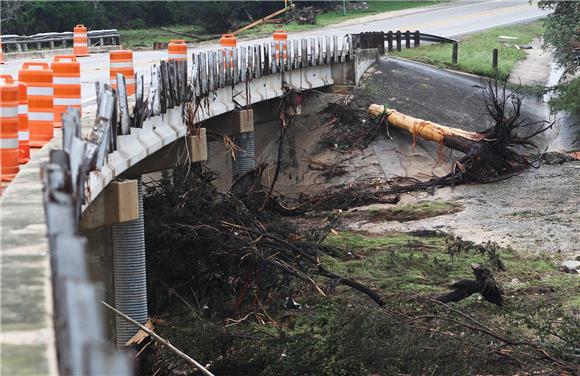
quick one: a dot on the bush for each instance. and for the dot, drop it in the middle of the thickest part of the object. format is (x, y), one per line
(567, 97)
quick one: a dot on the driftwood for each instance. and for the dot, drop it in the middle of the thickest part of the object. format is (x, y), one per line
(159, 339)
(489, 153)
(454, 138)
(262, 20)
(484, 284)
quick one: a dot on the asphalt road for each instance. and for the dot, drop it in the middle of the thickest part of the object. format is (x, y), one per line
(448, 19)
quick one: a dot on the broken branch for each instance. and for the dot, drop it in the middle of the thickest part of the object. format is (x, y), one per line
(164, 342)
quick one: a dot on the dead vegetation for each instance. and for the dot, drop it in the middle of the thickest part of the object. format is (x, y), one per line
(266, 284)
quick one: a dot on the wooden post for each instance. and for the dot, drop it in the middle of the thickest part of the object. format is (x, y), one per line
(407, 39)
(454, 53)
(390, 41)
(381, 42)
(417, 40)
(398, 38)
(494, 59)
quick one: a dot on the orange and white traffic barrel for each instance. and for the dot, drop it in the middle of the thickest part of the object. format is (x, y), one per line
(67, 85)
(38, 77)
(8, 128)
(23, 132)
(281, 45)
(177, 50)
(80, 41)
(121, 61)
(228, 42)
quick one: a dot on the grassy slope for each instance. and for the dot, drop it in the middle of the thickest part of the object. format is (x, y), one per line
(146, 37)
(333, 17)
(475, 51)
(345, 333)
(420, 263)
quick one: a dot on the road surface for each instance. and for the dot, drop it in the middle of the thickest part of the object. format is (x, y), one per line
(448, 19)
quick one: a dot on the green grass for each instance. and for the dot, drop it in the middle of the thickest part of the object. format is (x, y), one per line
(333, 17)
(416, 262)
(146, 37)
(475, 51)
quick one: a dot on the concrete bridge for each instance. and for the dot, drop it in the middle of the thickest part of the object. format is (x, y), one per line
(77, 205)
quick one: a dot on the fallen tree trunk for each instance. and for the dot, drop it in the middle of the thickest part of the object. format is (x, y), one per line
(262, 20)
(454, 138)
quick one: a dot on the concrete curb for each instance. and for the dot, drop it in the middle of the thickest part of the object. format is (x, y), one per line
(41, 54)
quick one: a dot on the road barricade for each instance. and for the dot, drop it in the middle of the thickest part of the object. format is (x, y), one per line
(281, 45)
(177, 50)
(67, 85)
(80, 41)
(23, 131)
(40, 90)
(121, 61)
(8, 128)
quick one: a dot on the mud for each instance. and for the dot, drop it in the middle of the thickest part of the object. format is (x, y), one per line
(536, 211)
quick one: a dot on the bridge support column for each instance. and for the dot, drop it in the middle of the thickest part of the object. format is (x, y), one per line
(129, 272)
(245, 154)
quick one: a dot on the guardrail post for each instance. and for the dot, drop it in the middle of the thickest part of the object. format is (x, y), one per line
(417, 40)
(454, 53)
(494, 59)
(390, 41)
(398, 38)
(381, 42)
(407, 39)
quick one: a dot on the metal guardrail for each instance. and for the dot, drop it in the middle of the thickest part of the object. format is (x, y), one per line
(23, 43)
(435, 38)
(395, 39)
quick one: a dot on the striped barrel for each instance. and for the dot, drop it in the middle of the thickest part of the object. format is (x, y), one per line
(281, 45)
(80, 41)
(67, 85)
(38, 77)
(228, 42)
(23, 132)
(121, 61)
(8, 128)
(177, 50)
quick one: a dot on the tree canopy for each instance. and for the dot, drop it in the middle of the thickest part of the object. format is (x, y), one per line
(30, 17)
(563, 32)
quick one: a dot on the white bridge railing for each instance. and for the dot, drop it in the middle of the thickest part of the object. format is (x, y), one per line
(82, 346)
(23, 43)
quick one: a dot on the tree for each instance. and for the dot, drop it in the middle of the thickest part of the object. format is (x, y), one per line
(563, 33)
(9, 10)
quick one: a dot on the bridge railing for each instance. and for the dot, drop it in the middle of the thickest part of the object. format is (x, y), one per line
(23, 43)
(82, 347)
(395, 39)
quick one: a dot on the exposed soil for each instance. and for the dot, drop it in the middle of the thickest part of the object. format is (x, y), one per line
(535, 211)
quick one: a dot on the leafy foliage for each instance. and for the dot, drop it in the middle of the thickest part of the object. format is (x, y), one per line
(563, 32)
(567, 97)
(43, 16)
